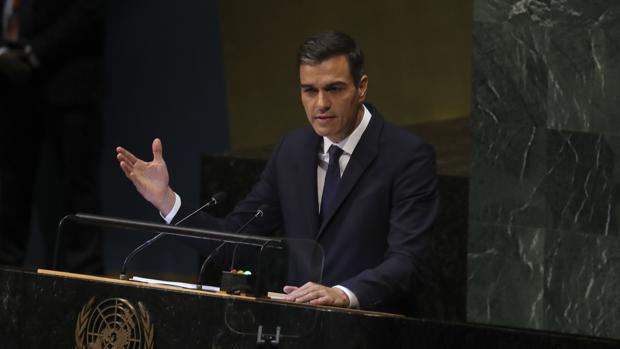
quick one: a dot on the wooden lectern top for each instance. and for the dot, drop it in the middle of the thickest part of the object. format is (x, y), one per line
(271, 296)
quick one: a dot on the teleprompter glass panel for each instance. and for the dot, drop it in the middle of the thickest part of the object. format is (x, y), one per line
(278, 263)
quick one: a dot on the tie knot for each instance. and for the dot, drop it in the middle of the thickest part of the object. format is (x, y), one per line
(334, 152)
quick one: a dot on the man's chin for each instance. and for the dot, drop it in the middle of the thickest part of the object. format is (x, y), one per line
(321, 131)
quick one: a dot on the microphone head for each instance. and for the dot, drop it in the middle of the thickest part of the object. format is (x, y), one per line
(219, 197)
(261, 210)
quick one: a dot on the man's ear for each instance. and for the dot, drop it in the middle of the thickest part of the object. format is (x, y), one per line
(362, 87)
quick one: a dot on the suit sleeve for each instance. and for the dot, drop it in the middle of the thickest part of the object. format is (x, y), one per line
(406, 263)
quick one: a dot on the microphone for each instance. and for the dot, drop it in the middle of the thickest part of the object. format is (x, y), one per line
(259, 213)
(215, 199)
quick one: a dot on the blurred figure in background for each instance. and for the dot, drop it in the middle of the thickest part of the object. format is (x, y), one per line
(50, 89)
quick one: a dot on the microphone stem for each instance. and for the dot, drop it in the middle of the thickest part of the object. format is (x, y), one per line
(259, 213)
(213, 201)
(205, 263)
(129, 257)
(146, 244)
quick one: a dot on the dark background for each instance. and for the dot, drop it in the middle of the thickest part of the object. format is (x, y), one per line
(164, 78)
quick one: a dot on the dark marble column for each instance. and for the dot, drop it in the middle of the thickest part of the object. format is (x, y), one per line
(543, 249)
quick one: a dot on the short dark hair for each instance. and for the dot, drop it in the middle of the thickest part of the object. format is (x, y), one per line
(323, 46)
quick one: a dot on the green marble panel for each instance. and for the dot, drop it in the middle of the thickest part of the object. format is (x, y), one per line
(505, 280)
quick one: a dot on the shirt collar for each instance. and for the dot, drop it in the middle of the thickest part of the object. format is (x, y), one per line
(350, 142)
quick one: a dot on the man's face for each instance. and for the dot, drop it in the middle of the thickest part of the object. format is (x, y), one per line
(332, 101)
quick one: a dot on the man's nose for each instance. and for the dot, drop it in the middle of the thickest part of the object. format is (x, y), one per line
(323, 101)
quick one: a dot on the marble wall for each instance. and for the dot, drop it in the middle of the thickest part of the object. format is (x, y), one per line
(544, 247)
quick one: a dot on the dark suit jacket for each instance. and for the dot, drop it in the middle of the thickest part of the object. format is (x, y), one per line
(377, 237)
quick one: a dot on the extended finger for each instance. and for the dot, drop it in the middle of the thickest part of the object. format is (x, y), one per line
(126, 169)
(315, 294)
(297, 293)
(300, 291)
(122, 158)
(310, 294)
(127, 155)
(288, 289)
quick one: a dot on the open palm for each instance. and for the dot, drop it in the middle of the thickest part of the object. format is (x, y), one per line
(150, 178)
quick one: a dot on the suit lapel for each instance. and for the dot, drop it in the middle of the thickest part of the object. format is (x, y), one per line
(308, 163)
(363, 155)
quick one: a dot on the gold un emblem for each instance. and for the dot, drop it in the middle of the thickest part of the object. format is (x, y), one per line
(114, 323)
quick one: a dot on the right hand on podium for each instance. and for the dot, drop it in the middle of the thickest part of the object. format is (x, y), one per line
(150, 178)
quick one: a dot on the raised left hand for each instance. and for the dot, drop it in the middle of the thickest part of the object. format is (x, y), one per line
(313, 293)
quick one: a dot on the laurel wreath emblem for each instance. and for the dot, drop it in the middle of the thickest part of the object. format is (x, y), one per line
(143, 338)
(147, 326)
(80, 325)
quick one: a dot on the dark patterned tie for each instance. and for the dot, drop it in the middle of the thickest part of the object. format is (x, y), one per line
(332, 177)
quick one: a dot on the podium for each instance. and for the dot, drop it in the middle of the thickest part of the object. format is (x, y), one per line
(49, 309)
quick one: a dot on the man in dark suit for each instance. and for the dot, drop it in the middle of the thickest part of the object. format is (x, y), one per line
(50, 87)
(364, 189)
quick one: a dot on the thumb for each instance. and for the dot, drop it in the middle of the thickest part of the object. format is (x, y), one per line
(157, 150)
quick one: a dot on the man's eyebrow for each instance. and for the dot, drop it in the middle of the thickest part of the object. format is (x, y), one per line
(331, 84)
(336, 84)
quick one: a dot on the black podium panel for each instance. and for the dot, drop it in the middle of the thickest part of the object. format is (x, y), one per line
(75, 311)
